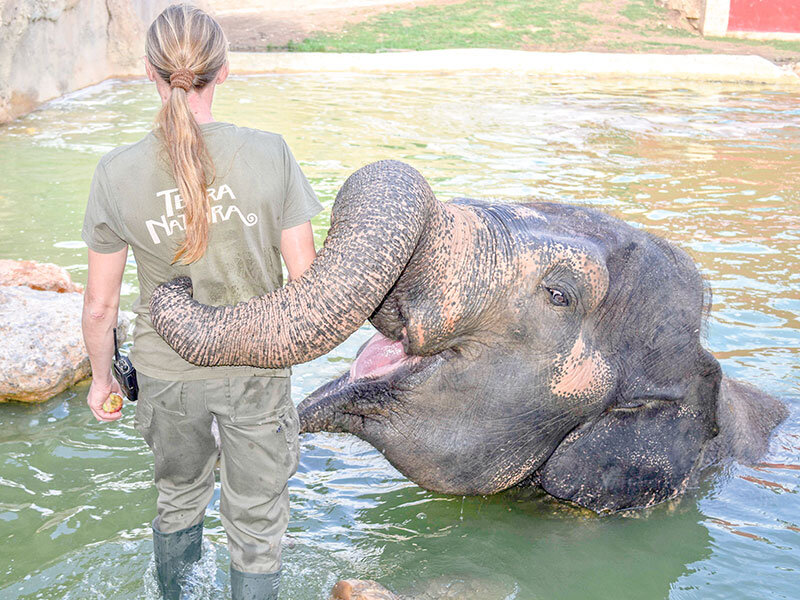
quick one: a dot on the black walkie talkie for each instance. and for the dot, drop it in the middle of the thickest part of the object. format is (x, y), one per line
(124, 373)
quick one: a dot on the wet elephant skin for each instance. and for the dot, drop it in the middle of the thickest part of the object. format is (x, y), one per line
(536, 344)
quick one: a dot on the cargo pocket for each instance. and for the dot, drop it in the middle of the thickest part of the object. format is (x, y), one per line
(255, 400)
(143, 416)
(289, 424)
(168, 396)
(143, 421)
(263, 431)
(254, 446)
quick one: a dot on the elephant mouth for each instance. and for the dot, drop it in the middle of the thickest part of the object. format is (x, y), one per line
(379, 357)
(381, 369)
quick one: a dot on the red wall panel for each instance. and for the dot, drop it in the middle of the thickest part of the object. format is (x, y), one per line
(765, 15)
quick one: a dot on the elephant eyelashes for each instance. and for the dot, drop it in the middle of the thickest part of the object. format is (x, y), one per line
(557, 297)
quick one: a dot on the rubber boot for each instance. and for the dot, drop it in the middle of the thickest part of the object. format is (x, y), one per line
(254, 586)
(175, 553)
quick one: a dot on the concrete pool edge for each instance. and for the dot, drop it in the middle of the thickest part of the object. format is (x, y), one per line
(685, 67)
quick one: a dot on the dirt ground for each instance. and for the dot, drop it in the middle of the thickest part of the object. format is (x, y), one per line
(253, 25)
(610, 34)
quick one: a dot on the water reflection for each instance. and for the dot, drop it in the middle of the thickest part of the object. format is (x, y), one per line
(712, 168)
(547, 550)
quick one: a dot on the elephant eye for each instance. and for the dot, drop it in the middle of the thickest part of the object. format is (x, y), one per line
(557, 297)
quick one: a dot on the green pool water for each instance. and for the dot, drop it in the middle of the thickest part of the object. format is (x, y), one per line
(715, 169)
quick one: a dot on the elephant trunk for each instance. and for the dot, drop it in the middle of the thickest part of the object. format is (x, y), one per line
(376, 223)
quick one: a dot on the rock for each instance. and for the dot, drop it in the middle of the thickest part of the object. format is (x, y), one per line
(360, 589)
(37, 276)
(42, 352)
(50, 48)
(437, 589)
(690, 9)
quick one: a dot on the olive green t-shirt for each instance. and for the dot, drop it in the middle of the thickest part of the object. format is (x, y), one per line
(258, 191)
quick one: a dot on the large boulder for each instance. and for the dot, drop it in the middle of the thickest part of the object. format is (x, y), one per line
(38, 276)
(690, 9)
(42, 351)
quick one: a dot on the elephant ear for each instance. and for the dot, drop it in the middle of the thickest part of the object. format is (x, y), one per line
(637, 455)
(747, 417)
(626, 459)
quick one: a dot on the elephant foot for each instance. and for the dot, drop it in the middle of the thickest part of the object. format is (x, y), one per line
(361, 589)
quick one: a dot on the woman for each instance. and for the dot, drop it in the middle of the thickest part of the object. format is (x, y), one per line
(218, 203)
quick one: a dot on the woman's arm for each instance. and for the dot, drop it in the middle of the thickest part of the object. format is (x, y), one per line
(297, 249)
(100, 308)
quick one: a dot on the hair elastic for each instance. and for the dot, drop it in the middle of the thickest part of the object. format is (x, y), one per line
(182, 78)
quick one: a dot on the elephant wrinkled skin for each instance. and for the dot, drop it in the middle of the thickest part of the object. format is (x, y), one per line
(542, 344)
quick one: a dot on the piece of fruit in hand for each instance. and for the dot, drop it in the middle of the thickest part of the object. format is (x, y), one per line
(113, 403)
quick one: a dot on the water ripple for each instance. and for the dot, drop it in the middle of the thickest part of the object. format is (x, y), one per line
(713, 169)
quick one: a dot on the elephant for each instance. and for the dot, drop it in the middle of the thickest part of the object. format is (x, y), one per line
(536, 343)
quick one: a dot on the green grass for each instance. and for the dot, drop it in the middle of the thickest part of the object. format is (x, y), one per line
(639, 10)
(560, 25)
(777, 44)
(477, 23)
(674, 46)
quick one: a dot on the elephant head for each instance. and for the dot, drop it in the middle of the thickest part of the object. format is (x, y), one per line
(526, 343)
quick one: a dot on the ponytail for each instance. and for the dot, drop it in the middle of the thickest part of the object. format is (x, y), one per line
(187, 48)
(192, 169)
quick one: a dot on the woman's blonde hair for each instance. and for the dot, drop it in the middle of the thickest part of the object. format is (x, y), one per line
(187, 48)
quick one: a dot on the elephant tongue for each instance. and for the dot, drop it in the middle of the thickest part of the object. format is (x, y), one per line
(379, 357)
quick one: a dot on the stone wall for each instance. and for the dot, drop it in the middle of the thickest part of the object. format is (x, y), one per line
(52, 47)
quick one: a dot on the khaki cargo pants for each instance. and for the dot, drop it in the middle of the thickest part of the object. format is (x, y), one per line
(258, 427)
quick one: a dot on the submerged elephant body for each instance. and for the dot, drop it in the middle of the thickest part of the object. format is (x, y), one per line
(537, 343)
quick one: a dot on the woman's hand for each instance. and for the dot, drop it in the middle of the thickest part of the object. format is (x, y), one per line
(100, 307)
(98, 393)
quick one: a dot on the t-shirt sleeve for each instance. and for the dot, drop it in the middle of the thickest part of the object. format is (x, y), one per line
(100, 228)
(300, 202)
